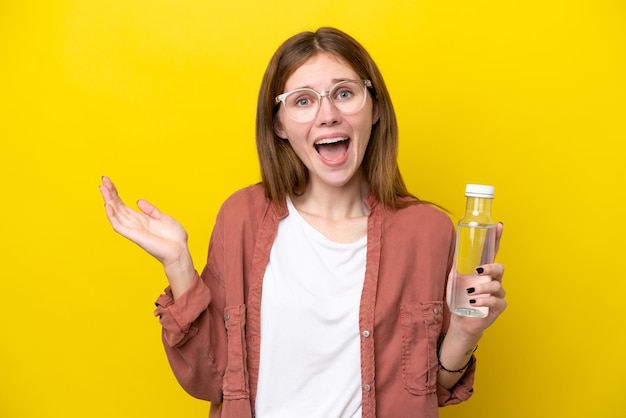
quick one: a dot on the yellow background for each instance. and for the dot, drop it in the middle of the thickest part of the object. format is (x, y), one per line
(160, 95)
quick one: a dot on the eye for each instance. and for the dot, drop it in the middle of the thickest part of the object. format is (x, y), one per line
(301, 99)
(302, 102)
(344, 94)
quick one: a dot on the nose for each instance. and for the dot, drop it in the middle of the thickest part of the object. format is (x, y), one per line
(327, 114)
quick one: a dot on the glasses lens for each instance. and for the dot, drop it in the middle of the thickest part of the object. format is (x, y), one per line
(303, 104)
(348, 96)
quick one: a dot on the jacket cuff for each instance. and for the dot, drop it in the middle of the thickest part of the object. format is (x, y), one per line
(176, 317)
(459, 392)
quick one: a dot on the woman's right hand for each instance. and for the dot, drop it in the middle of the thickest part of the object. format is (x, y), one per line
(158, 234)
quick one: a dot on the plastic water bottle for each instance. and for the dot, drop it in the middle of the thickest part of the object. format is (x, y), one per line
(475, 246)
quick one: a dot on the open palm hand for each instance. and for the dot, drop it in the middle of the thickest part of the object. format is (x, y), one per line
(158, 234)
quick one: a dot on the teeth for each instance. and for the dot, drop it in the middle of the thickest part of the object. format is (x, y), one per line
(330, 140)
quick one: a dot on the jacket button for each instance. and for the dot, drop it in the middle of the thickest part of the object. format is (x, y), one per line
(367, 388)
(436, 311)
(227, 317)
(366, 333)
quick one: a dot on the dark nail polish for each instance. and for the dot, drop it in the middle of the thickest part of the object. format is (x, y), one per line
(470, 290)
(472, 301)
(480, 270)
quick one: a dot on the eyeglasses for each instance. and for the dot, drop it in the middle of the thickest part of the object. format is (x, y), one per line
(347, 96)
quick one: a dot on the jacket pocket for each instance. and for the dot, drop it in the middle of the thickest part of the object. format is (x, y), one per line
(235, 384)
(421, 326)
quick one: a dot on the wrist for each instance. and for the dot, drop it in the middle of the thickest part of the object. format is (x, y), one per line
(180, 273)
(180, 262)
(457, 331)
(456, 348)
(462, 369)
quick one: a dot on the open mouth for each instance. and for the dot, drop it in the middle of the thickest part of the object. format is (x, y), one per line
(332, 149)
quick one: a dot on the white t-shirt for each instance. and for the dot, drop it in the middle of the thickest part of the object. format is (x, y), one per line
(310, 362)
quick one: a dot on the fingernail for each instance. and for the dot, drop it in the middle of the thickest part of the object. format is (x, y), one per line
(470, 290)
(480, 270)
(501, 223)
(472, 301)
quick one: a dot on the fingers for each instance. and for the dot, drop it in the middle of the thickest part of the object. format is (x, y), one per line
(112, 198)
(493, 287)
(495, 271)
(495, 304)
(120, 216)
(109, 192)
(490, 294)
(106, 181)
(149, 209)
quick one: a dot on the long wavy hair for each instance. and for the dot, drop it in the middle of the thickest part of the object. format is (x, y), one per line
(282, 172)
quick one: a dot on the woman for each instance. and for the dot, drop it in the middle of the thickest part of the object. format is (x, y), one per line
(323, 294)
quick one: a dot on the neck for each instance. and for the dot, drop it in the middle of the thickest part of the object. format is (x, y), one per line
(334, 203)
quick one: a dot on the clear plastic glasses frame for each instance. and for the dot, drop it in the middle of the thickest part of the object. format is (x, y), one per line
(303, 104)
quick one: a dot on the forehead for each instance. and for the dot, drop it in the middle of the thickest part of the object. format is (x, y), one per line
(320, 72)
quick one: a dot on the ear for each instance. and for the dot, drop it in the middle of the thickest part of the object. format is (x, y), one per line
(278, 128)
(375, 114)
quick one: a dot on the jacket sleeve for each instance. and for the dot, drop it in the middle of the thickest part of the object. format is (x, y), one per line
(459, 392)
(194, 334)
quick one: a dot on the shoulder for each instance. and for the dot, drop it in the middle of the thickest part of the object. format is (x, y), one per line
(241, 211)
(420, 223)
(251, 203)
(248, 195)
(246, 204)
(422, 214)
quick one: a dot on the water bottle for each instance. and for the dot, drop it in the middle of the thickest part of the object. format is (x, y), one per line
(475, 246)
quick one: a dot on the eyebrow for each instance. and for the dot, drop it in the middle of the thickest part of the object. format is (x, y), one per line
(333, 81)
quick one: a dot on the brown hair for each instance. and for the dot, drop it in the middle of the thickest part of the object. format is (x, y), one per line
(282, 172)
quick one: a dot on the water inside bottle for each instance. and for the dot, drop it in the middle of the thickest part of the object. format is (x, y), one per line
(475, 247)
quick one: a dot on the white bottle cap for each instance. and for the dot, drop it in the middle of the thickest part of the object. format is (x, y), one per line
(479, 190)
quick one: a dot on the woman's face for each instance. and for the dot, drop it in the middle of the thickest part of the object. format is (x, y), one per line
(332, 145)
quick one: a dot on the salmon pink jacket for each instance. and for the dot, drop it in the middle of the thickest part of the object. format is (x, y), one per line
(212, 332)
